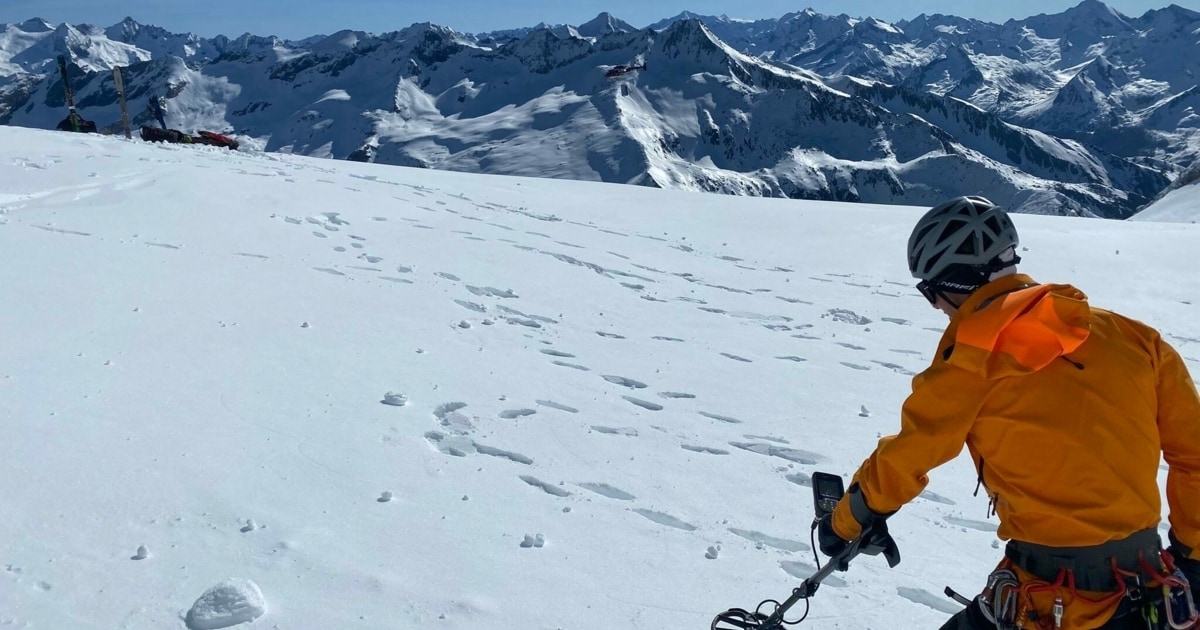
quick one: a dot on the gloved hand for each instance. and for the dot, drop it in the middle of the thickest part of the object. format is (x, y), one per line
(831, 544)
(1189, 567)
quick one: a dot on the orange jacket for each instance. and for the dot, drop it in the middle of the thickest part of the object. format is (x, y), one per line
(1065, 409)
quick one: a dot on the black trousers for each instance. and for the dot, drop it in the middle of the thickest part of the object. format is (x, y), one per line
(1126, 618)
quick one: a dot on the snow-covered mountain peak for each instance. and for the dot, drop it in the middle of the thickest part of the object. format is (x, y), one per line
(130, 30)
(34, 25)
(604, 24)
(1090, 18)
(340, 41)
(543, 50)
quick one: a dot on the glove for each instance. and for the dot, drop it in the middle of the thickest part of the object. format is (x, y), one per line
(875, 538)
(831, 544)
(1189, 567)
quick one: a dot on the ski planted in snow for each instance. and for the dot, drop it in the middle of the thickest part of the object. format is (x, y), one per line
(72, 115)
(120, 82)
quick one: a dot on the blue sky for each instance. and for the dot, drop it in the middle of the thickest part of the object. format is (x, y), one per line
(301, 18)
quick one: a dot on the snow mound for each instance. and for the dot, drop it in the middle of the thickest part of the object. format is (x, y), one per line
(227, 604)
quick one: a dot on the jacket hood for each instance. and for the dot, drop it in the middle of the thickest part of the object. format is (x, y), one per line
(1014, 326)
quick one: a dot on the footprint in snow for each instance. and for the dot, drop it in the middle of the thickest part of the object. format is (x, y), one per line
(332, 272)
(471, 306)
(704, 449)
(983, 526)
(644, 404)
(503, 454)
(534, 318)
(676, 395)
(936, 498)
(548, 488)
(800, 479)
(559, 406)
(790, 454)
(453, 445)
(855, 366)
(396, 280)
(608, 335)
(320, 234)
(850, 346)
(736, 357)
(793, 358)
(626, 431)
(573, 366)
(448, 276)
(557, 353)
(661, 338)
(663, 518)
(606, 490)
(624, 382)
(846, 316)
(763, 540)
(719, 417)
(925, 598)
(899, 369)
(897, 321)
(908, 352)
(513, 414)
(491, 292)
(449, 417)
(777, 440)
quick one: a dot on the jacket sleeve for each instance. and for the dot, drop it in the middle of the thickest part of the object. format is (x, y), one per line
(934, 423)
(1179, 428)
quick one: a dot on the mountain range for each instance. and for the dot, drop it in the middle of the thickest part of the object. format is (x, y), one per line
(1087, 112)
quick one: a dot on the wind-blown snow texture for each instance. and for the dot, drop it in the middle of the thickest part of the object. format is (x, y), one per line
(1088, 112)
(395, 398)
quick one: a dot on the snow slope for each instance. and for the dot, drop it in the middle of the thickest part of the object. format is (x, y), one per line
(1179, 203)
(346, 395)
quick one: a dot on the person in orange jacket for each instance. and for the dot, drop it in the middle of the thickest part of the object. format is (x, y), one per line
(1065, 409)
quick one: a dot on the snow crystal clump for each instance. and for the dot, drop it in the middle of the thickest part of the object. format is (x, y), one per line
(846, 317)
(227, 604)
(394, 399)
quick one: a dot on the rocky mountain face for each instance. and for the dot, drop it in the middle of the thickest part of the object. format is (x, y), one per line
(1087, 113)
